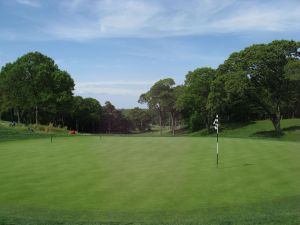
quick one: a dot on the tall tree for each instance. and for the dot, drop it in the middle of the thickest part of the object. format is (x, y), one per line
(38, 70)
(195, 97)
(170, 105)
(264, 67)
(15, 89)
(292, 74)
(140, 118)
(108, 113)
(157, 96)
(62, 94)
(87, 114)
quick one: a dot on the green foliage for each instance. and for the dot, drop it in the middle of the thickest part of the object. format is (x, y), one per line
(140, 119)
(257, 82)
(264, 67)
(114, 121)
(195, 97)
(261, 81)
(160, 98)
(34, 83)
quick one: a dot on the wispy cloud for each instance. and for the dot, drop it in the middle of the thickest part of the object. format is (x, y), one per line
(115, 87)
(32, 3)
(89, 19)
(82, 20)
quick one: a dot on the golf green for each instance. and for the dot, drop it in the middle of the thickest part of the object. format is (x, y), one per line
(91, 180)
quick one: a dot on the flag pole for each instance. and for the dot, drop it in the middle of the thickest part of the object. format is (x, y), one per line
(216, 126)
(217, 144)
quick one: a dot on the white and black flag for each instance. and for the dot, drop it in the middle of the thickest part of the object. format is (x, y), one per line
(216, 123)
(216, 126)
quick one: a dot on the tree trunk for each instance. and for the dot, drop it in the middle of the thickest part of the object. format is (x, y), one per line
(275, 118)
(160, 123)
(18, 115)
(109, 126)
(173, 127)
(36, 115)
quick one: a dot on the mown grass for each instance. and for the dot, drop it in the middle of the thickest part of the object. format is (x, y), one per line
(262, 129)
(146, 180)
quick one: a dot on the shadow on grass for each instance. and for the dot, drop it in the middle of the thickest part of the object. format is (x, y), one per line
(235, 166)
(268, 134)
(273, 134)
(292, 128)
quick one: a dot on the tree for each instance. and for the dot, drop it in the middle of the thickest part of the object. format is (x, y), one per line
(87, 114)
(62, 94)
(14, 87)
(264, 67)
(34, 83)
(195, 97)
(292, 74)
(157, 96)
(108, 113)
(169, 104)
(38, 70)
(4, 101)
(229, 97)
(140, 118)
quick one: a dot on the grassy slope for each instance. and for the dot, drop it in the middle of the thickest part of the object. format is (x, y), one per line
(264, 129)
(256, 129)
(151, 180)
(20, 131)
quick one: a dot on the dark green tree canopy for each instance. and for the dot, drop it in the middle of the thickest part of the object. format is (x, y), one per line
(263, 78)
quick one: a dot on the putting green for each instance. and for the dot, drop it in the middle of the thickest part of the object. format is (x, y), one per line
(151, 180)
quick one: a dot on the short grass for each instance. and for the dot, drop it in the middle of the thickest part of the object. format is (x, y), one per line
(261, 129)
(264, 129)
(146, 180)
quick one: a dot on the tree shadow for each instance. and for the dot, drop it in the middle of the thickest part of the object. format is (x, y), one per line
(292, 128)
(236, 166)
(273, 134)
(268, 134)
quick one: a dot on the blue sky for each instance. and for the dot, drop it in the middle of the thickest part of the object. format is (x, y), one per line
(116, 49)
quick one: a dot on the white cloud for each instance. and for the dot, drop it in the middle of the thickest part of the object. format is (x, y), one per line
(274, 18)
(116, 87)
(88, 19)
(33, 3)
(117, 82)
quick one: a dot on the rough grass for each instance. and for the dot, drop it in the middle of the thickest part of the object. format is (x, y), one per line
(144, 180)
(20, 131)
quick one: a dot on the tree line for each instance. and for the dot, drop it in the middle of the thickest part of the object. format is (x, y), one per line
(259, 82)
(34, 90)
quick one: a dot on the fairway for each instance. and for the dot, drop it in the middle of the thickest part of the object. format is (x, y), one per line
(93, 180)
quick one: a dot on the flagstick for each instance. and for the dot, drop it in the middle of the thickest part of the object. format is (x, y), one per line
(216, 126)
(217, 146)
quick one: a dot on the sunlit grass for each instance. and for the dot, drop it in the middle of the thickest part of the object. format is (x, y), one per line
(149, 180)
